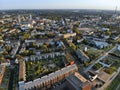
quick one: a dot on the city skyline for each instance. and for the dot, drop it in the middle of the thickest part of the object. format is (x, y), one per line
(61, 4)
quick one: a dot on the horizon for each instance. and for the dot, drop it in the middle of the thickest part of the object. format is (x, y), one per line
(59, 9)
(53, 4)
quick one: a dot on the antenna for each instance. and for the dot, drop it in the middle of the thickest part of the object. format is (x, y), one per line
(116, 10)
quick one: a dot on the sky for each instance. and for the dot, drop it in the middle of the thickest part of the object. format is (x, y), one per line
(59, 4)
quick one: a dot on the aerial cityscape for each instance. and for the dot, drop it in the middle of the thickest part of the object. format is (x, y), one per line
(59, 45)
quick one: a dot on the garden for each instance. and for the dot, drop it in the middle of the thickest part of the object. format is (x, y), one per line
(97, 66)
(40, 68)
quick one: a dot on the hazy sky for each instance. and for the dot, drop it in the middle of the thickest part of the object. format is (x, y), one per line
(59, 4)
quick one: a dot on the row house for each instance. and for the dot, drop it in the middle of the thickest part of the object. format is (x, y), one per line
(2, 72)
(15, 49)
(44, 56)
(80, 54)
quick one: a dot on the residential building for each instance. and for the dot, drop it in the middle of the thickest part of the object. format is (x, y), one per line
(48, 80)
(82, 55)
(22, 71)
(119, 47)
(69, 35)
(100, 44)
(2, 72)
(44, 56)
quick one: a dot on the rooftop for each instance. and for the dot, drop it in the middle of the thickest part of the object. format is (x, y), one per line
(80, 77)
(78, 81)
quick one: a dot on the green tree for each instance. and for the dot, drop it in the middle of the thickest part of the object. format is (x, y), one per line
(1, 38)
(26, 52)
(25, 36)
(2, 59)
(108, 32)
(5, 53)
(8, 48)
(73, 46)
(44, 47)
(119, 40)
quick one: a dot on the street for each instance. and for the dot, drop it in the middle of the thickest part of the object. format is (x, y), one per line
(96, 61)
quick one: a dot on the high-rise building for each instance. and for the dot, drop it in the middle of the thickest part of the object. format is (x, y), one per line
(19, 18)
(30, 17)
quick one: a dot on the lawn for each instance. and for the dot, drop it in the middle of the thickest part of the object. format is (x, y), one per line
(93, 53)
(114, 84)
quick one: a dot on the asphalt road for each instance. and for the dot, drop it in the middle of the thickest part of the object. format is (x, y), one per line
(10, 86)
(96, 61)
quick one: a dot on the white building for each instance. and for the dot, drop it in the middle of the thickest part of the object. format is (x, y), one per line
(119, 47)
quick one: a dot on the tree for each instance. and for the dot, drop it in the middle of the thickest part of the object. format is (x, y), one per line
(1, 38)
(44, 47)
(25, 36)
(8, 48)
(77, 24)
(119, 41)
(2, 58)
(73, 46)
(5, 53)
(108, 32)
(86, 64)
(26, 52)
